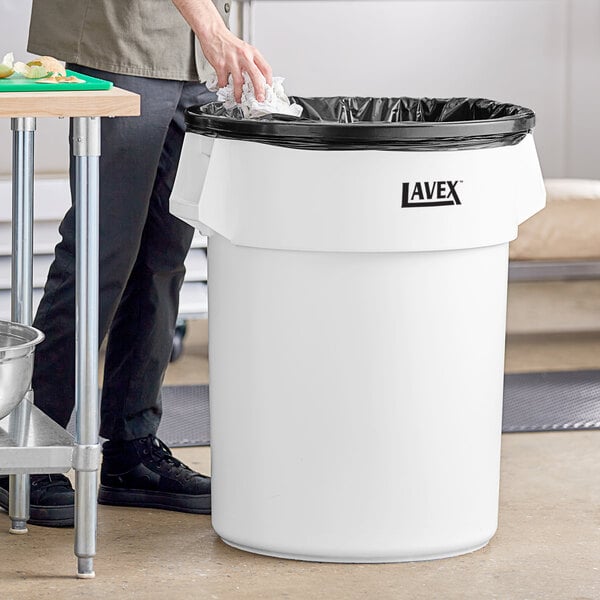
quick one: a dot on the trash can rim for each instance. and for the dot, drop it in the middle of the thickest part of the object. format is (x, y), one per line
(281, 129)
(417, 125)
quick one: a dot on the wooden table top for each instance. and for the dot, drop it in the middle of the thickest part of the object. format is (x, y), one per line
(106, 103)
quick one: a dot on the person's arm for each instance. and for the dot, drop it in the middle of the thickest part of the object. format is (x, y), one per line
(223, 50)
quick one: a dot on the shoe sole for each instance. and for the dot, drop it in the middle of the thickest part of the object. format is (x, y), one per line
(45, 516)
(112, 496)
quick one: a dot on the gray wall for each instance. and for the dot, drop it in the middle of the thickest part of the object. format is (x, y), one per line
(583, 96)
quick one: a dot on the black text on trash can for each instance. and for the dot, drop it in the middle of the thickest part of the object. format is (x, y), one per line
(430, 193)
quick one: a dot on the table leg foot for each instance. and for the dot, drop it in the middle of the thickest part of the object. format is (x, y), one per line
(18, 527)
(85, 568)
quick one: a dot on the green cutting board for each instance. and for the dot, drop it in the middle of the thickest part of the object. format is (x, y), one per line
(18, 83)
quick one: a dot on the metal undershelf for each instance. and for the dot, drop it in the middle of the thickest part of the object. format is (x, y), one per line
(35, 444)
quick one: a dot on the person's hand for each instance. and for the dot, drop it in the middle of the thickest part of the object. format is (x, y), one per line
(229, 54)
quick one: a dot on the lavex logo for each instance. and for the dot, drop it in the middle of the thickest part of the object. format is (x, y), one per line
(430, 193)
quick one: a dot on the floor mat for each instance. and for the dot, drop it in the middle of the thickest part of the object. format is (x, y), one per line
(185, 420)
(558, 401)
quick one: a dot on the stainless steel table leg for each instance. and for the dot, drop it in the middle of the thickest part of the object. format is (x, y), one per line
(86, 149)
(22, 281)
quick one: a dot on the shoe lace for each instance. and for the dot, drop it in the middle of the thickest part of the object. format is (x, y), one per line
(50, 481)
(162, 453)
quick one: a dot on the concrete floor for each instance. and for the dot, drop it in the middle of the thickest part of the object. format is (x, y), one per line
(547, 545)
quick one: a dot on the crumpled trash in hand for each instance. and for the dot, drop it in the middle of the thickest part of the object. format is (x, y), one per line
(275, 101)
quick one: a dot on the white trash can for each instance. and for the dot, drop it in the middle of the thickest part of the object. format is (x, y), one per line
(357, 304)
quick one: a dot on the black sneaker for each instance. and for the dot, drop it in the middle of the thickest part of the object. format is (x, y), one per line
(51, 501)
(144, 473)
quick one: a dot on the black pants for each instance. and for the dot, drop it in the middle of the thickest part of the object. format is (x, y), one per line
(142, 250)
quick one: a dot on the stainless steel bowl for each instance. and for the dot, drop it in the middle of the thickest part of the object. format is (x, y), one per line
(17, 345)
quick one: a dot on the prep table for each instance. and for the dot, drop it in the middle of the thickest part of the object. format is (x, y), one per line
(30, 442)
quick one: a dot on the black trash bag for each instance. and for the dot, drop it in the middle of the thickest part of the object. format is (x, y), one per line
(353, 123)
